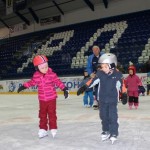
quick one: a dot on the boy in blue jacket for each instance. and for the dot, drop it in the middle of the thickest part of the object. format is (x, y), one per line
(109, 82)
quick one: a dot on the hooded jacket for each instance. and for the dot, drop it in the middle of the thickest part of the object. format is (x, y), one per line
(46, 84)
(132, 82)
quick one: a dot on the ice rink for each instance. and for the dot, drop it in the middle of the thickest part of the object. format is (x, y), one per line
(78, 128)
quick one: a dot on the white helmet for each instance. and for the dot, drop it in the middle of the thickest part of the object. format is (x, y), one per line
(108, 58)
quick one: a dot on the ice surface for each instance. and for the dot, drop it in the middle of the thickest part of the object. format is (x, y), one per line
(78, 128)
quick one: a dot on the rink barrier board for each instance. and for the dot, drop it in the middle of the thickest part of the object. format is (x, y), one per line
(32, 93)
(11, 86)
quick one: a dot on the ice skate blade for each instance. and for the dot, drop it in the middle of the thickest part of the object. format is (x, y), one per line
(103, 140)
(41, 137)
(53, 135)
(95, 108)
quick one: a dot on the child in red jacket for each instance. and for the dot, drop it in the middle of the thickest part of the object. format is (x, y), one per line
(132, 83)
(46, 80)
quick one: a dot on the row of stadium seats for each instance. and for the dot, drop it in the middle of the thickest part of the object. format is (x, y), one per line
(68, 47)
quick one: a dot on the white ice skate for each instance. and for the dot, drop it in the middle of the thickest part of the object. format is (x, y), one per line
(42, 133)
(105, 135)
(53, 132)
(113, 138)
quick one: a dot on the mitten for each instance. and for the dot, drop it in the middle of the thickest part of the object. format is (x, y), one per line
(66, 92)
(124, 98)
(82, 89)
(21, 88)
(141, 89)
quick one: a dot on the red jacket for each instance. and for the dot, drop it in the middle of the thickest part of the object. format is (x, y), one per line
(132, 82)
(46, 84)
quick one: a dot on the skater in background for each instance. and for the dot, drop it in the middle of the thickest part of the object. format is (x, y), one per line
(91, 68)
(109, 82)
(46, 80)
(148, 83)
(12, 86)
(88, 92)
(133, 82)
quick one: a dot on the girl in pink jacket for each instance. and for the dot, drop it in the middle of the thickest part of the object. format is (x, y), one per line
(46, 80)
(132, 83)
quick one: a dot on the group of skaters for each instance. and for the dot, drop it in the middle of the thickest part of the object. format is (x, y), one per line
(132, 82)
(100, 76)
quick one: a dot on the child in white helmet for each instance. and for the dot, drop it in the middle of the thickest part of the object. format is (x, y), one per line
(109, 82)
(46, 80)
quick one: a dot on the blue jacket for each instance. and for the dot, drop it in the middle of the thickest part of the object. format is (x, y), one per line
(89, 67)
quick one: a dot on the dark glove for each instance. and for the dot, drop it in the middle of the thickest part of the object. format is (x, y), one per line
(66, 92)
(81, 89)
(21, 88)
(124, 98)
(141, 89)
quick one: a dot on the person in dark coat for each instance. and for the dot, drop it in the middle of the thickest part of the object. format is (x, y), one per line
(109, 81)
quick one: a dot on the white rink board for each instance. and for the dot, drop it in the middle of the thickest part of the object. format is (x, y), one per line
(71, 82)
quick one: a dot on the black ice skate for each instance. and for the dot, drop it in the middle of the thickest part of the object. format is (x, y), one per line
(95, 105)
(105, 135)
